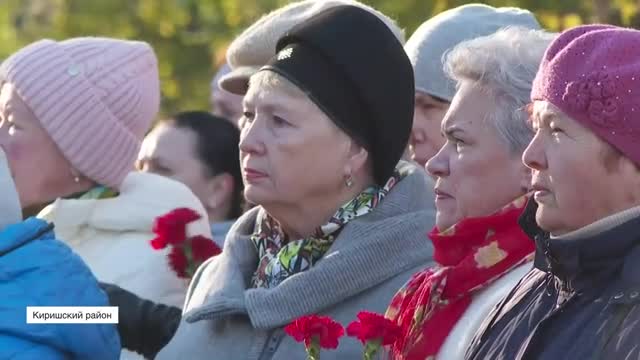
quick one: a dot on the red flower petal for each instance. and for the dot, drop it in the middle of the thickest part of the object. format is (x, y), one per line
(178, 261)
(318, 328)
(372, 326)
(202, 248)
(173, 226)
(159, 243)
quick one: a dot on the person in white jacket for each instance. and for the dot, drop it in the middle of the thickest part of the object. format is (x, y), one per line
(72, 118)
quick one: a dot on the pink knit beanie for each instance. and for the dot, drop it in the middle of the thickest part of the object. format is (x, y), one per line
(95, 97)
(592, 74)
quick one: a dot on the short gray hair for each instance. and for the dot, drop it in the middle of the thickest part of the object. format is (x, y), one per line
(504, 63)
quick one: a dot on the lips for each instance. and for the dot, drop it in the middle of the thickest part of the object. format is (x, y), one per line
(441, 195)
(540, 190)
(252, 174)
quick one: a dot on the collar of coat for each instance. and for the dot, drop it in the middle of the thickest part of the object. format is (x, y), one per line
(369, 250)
(603, 254)
(142, 198)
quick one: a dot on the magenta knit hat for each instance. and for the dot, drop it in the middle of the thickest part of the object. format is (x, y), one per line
(95, 97)
(592, 74)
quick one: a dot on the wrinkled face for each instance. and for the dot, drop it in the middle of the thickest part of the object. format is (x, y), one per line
(476, 173)
(426, 138)
(171, 151)
(226, 105)
(39, 169)
(578, 178)
(290, 151)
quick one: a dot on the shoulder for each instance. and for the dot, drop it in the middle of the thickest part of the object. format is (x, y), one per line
(236, 248)
(415, 190)
(157, 190)
(47, 269)
(142, 198)
(45, 272)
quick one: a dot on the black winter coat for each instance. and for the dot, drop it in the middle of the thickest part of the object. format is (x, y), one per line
(581, 300)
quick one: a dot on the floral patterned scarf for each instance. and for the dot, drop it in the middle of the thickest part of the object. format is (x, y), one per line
(470, 256)
(281, 257)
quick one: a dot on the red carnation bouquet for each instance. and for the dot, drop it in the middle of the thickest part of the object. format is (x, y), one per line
(187, 253)
(317, 332)
(322, 332)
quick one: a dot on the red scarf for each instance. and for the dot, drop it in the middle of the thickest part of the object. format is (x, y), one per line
(471, 255)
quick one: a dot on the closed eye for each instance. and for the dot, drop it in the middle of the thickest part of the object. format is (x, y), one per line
(280, 121)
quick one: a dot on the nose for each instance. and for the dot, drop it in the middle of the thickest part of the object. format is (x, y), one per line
(533, 156)
(438, 165)
(417, 134)
(251, 141)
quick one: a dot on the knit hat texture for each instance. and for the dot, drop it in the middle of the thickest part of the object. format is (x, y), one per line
(95, 97)
(592, 74)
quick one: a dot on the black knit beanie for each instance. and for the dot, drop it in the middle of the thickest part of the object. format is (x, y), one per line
(353, 67)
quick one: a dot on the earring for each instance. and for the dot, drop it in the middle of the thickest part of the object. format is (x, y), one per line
(76, 176)
(349, 181)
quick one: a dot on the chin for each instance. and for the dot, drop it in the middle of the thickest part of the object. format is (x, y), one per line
(257, 195)
(548, 221)
(443, 223)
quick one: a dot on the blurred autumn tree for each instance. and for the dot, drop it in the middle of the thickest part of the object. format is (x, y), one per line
(189, 36)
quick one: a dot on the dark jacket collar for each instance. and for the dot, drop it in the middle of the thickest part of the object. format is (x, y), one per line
(581, 262)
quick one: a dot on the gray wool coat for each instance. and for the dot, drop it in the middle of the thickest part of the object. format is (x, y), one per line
(374, 255)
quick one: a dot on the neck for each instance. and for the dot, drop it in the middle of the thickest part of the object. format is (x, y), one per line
(601, 225)
(302, 219)
(219, 214)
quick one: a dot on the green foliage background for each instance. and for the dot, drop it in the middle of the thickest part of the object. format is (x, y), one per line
(190, 36)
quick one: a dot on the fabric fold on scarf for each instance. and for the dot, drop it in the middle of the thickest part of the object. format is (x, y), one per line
(470, 255)
(280, 257)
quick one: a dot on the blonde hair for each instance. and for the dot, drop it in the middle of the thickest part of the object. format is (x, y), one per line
(272, 81)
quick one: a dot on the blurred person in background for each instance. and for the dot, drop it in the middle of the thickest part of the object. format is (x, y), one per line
(73, 114)
(38, 270)
(223, 103)
(201, 151)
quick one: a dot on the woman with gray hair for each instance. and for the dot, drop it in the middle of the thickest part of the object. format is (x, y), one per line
(481, 190)
(426, 49)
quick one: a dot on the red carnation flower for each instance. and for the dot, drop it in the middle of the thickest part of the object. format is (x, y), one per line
(202, 248)
(172, 227)
(178, 261)
(316, 332)
(374, 327)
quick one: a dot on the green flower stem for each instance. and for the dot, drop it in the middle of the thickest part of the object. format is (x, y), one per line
(313, 351)
(371, 349)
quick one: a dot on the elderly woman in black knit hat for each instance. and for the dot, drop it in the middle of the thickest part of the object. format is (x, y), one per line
(341, 221)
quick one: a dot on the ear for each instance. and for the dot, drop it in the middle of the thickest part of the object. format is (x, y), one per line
(357, 160)
(219, 189)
